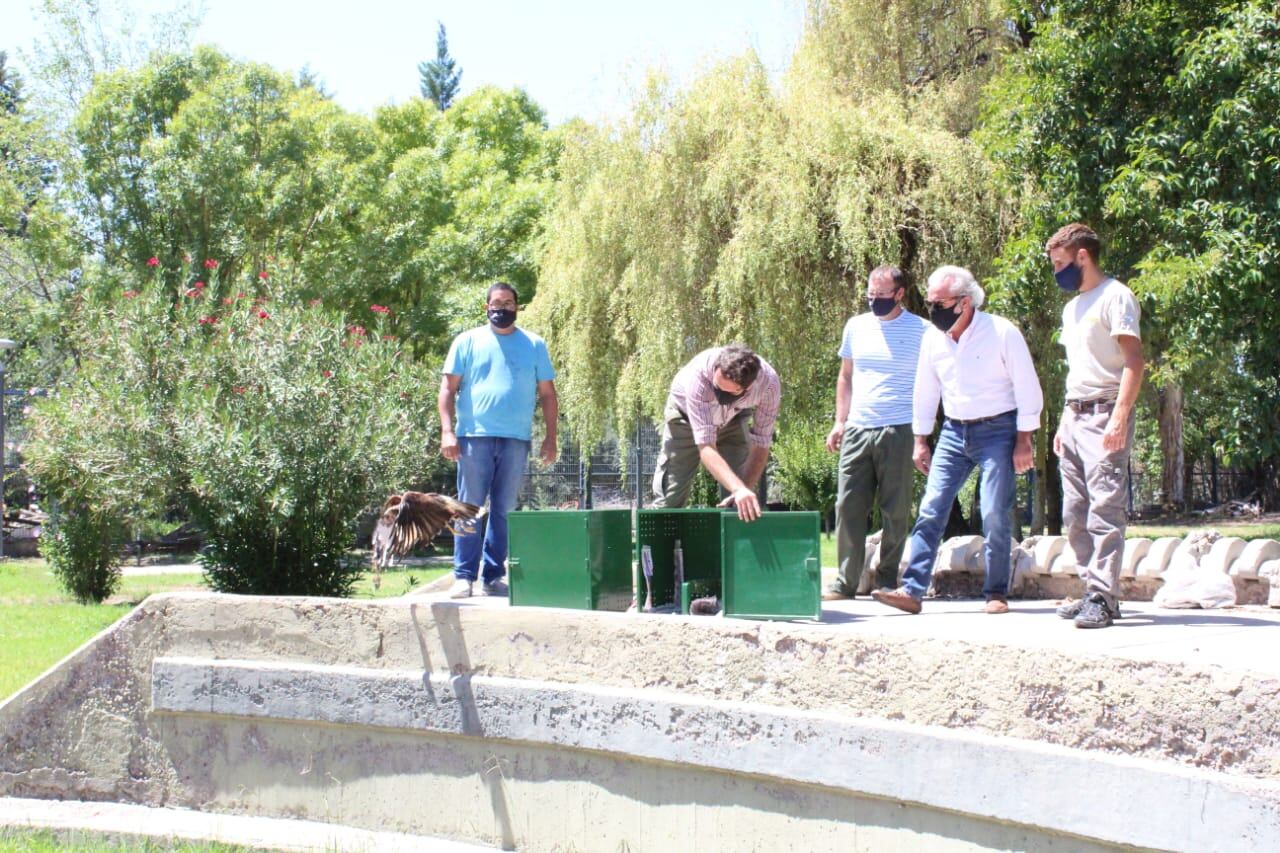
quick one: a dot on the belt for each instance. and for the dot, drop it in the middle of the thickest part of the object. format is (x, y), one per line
(972, 421)
(1084, 407)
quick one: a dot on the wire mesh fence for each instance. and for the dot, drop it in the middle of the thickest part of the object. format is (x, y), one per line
(609, 476)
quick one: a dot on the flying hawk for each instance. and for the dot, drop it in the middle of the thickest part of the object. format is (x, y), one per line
(414, 518)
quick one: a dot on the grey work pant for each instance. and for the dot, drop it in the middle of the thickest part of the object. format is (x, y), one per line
(678, 462)
(875, 466)
(1095, 486)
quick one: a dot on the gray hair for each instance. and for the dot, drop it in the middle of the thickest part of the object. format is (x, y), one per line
(960, 283)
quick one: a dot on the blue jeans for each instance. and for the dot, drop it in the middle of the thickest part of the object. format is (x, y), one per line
(989, 447)
(489, 468)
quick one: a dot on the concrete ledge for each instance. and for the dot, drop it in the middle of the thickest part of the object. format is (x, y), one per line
(1000, 778)
(1170, 697)
(120, 819)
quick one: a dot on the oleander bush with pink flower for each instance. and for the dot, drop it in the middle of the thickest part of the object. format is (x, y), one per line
(270, 422)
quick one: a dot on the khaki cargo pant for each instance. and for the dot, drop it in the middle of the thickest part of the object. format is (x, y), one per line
(678, 462)
(1095, 487)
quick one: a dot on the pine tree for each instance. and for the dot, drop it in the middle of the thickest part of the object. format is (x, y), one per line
(441, 77)
(10, 86)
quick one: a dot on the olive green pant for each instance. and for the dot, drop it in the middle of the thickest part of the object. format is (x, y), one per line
(679, 459)
(875, 467)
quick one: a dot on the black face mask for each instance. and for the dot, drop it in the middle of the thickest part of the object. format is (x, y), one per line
(945, 318)
(724, 398)
(503, 318)
(882, 306)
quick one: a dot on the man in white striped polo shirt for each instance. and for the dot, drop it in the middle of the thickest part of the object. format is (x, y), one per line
(872, 430)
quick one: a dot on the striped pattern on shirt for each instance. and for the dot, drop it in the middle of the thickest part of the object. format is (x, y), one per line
(693, 393)
(884, 357)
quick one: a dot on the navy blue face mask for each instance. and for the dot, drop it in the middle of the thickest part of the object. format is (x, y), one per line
(1069, 277)
(882, 306)
(502, 318)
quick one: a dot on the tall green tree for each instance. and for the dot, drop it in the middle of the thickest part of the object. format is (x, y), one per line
(1155, 122)
(441, 77)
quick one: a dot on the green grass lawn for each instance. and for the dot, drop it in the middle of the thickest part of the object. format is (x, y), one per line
(44, 841)
(40, 624)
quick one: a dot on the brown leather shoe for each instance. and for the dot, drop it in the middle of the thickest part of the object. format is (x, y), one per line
(898, 598)
(997, 605)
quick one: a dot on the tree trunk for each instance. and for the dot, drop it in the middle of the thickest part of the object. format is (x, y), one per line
(1173, 472)
(1052, 494)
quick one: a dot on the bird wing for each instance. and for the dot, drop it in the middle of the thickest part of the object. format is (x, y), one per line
(421, 515)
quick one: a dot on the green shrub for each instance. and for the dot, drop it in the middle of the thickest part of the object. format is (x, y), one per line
(291, 426)
(81, 547)
(272, 424)
(804, 469)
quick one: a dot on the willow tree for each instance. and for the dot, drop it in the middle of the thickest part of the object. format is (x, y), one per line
(727, 211)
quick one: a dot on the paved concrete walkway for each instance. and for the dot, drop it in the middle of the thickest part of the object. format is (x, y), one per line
(271, 833)
(1238, 638)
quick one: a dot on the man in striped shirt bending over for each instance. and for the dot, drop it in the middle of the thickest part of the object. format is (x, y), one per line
(720, 413)
(873, 430)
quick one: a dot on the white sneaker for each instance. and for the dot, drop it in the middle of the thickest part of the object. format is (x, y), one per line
(461, 589)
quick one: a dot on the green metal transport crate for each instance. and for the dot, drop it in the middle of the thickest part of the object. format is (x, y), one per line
(765, 569)
(697, 531)
(570, 558)
(771, 567)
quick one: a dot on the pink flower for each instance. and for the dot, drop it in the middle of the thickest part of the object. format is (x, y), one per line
(312, 303)
(208, 321)
(389, 337)
(358, 331)
(210, 264)
(227, 300)
(153, 261)
(264, 275)
(199, 285)
(238, 389)
(262, 315)
(379, 309)
(129, 294)
(239, 296)
(193, 292)
(327, 374)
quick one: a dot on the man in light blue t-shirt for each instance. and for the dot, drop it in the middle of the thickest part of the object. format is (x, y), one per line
(494, 375)
(873, 431)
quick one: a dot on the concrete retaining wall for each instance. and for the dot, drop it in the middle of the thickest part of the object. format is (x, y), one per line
(547, 729)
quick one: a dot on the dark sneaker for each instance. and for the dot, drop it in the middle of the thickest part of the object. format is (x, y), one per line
(835, 592)
(1094, 612)
(495, 588)
(898, 598)
(1071, 608)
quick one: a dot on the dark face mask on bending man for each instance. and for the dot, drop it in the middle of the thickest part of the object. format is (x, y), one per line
(726, 398)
